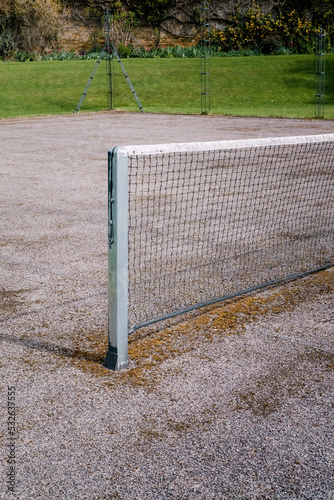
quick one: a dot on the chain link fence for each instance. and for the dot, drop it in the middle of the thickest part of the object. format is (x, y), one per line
(259, 65)
(277, 86)
(282, 86)
(169, 80)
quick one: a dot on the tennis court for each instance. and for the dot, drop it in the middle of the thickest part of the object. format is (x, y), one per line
(233, 403)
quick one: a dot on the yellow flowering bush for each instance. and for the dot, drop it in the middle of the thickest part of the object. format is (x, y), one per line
(254, 30)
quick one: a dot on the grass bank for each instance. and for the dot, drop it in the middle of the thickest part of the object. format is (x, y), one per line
(248, 86)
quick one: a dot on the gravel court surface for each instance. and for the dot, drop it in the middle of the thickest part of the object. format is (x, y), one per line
(244, 412)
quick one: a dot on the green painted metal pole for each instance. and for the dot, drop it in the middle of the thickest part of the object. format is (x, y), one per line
(117, 355)
(127, 79)
(77, 109)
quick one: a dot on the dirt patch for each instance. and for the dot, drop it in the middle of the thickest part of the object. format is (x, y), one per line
(235, 402)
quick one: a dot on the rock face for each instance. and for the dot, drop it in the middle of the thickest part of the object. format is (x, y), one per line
(79, 35)
(181, 27)
(75, 36)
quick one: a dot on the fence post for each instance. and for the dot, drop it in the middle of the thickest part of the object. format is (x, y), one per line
(117, 354)
(320, 74)
(110, 73)
(205, 58)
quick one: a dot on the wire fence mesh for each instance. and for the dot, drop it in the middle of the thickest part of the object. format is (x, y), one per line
(168, 79)
(263, 86)
(54, 87)
(282, 86)
(210, 224)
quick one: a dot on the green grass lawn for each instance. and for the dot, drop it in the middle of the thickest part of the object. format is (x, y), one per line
(269, 86)
(249, 86)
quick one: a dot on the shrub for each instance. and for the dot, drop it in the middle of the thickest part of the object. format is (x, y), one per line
(153, 11)
(124, 50)
(28, 26)
(252, 29)
(7, 44)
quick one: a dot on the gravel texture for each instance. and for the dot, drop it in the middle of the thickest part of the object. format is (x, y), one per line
(235, 403)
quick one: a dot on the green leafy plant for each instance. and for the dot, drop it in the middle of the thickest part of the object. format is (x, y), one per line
(124, 50)
(152, 11)
(28, 26)
(252, 29)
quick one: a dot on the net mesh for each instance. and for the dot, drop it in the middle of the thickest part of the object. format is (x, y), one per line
(206, 224)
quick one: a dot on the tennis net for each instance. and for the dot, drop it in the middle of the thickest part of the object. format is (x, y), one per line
(210, 221)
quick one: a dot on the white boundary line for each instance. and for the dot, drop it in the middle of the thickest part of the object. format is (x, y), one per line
(220, 145)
